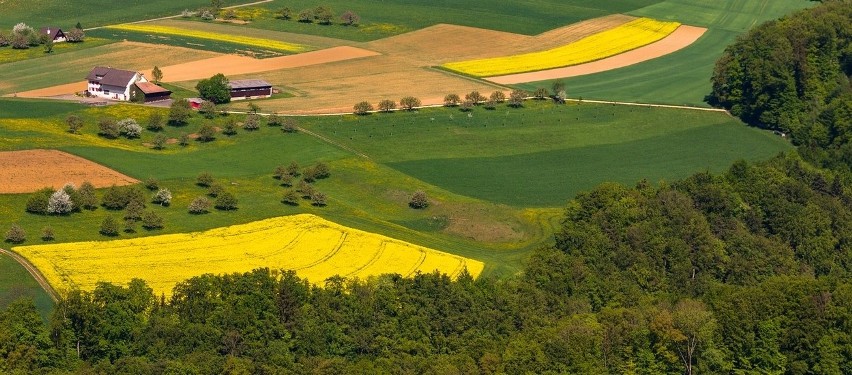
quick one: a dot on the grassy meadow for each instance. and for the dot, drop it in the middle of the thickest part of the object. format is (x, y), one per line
(16, 282)
(682, 77)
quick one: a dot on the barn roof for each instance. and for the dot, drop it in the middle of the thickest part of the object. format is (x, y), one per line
(51, 31)
(110, 76)
(248, 83)
(150, 88)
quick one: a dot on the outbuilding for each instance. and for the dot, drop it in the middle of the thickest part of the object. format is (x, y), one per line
(250, 89)
(147, 92)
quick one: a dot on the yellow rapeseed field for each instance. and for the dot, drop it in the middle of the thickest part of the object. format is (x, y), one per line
(631, 35)
(230, 38)
(314, 247)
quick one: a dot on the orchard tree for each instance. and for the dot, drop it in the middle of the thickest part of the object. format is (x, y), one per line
(215, 190)
(155, 121)
(321, 171)
(38, 202)
(59, 203)
(215, 89)
(558, 91)
(206, 133)
(16, 234)
(284, 13)
(180, 112)
(540, 93)
(306, 16)
(362, 108)
(156, 74)
(230, 127)
(75, 123)
(226, 201)
(498, 96)
(47, 233)
(151, 220)
(183, 140)
(516, 98)
(349, 18)
(274, 120)
(205, 179)
(323, 15)
(108, 128)
(163, 197)
(289, 125)
(76, 35)
(48, 45)
(409, 103)
(207, 109)
(318, 199)
(475, 97)
(252, 122)
(387, 105)
(290, 198)
(466, 106)
(86, 196)
(419, 200)
(109, 227)
(199, 205)
(151, 184)
(159, 141)
(129, 128)
(133, 211)
(452, 100)
(293, 169)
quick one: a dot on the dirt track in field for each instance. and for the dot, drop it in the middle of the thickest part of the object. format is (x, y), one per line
(29, 170)
(681, 38)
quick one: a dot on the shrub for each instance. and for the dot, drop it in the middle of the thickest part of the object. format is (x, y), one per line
(75, 123)
(133, 211)
(305, 189)
(206, 133)
(387, 105)
(252, 122)
(290, 198)
(290, 125)
(540, 93)
(349, 18)
(130, 226)
(47, 233)
(279, 172)
(155, 122)
(309, 175)
(60, 203)
(76, 35)
(230, 128)
(151, 220)
(180, 112)
(108, 128)
(163, 197)
(151, 184)
(293, 169)
(116, 198)
(183, 140)
(129, 128)
(208, 109)
(215, 190)
(321, 171)
(16, 234)
(274, 120)
(38, 201)
(362, 108)
(226, 201)
(452, 100)
(159, 142)
(86, 196)
(109, 227)
(204, 179)
(419, 200)
(318, 199)
(199, 205)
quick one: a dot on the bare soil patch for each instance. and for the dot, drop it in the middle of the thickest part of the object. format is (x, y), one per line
(29, 170)
(679, 39)
(66, 89)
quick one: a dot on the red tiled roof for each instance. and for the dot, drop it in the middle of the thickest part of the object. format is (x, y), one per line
(150, 88)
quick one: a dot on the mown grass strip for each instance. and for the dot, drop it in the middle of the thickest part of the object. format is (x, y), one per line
(632, 35)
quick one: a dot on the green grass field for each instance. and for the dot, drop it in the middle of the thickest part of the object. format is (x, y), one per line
(9, 54)
(391, 17)
(92, 13)
(682, 77)
(16, 282)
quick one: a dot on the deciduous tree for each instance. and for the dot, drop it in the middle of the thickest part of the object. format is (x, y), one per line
(180, 112)
(349, 18)
(215, 89)
(156, 74)
(362, 108)
(419, 200)
(199, 205)
(16, 234)
(75, 123)
(452, 100)
(387, 105)
(409, 103)
(226, 201)
(109, 227)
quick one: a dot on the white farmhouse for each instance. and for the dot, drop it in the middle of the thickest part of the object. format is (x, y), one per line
(109, 83)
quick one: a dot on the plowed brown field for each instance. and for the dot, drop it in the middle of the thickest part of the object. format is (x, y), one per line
(29, 170)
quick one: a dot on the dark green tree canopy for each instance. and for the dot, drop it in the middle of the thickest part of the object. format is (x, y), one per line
(214, 89)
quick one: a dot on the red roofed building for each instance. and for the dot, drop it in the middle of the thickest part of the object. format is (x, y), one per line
(146, 92)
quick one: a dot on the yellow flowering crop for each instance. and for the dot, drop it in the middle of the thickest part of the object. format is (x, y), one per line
(230, 38)
(314, 247)
(631, 35)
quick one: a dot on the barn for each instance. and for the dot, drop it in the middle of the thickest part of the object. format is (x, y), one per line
(250, 89)
(147, 92)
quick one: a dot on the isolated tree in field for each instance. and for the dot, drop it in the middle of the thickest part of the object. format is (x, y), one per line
(39, 200)
(215, 190)
(156, 74)
(159, 141)
(284, 13)
(349, 18)
(204, 179)
(151, 220)
(86, 197)
(252, 122)
(214, 89)
(321, 171)
(163, 197)
(290, 198)
(497, 96)
(155, 121)
(387, 105)
(180, 112)
(108, 128)
(47, 233)
(419, 200)
(289, 125)
(540, 93)
(207, 109)
(206, 133)
(59, 203)
(362, 108)
(199, 205)
(409, 103)
(475, 97)
(516, 98)
(76, 35)
(129, 128)
(318, 199)
(306, 16)
(109, 227)
(16, 234)
(274, 120)
(226, 201)
(452, 100)
(253, 108)
(323, 15)
(75, 123)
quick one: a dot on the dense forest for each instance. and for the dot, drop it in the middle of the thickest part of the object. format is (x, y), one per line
(793, 75)
(744, 272)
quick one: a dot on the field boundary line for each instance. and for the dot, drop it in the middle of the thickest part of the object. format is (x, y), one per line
(707, 109)
(39, 278)
(175, 16)
(332, 142)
